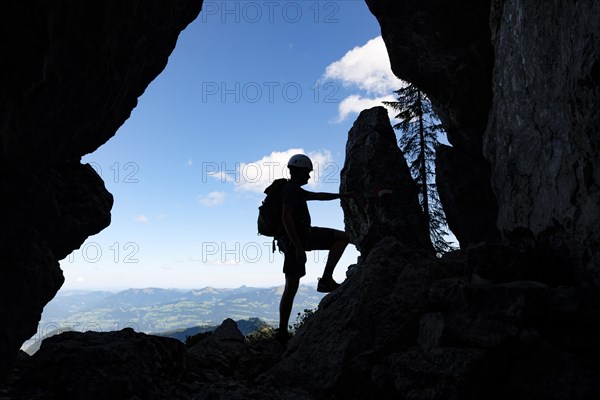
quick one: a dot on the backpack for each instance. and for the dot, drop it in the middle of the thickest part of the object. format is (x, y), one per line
(269, 213)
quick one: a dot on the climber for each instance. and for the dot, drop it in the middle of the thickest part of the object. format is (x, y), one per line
(301, 237)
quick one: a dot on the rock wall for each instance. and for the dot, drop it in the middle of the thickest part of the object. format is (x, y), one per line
(543, 137)
(72, 73)
(517, 88)
(445, 49)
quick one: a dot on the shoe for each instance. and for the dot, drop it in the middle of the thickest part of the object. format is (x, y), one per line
(327, 285)
(282, 336)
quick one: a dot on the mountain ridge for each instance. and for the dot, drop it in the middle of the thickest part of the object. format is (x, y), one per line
(159, 310)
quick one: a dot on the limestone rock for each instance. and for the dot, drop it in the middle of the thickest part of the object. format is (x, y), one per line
(524, 92)
(386, 202)
(542, 139)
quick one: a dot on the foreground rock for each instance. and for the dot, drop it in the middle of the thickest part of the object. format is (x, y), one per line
(403, 326)
(72, 74)
(345, 345)
(130, 365)
(112, 365)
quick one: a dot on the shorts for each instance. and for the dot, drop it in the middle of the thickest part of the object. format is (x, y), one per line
(315, 239)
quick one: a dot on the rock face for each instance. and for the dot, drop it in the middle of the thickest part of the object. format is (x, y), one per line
(46, 215)
(519, 85)
(386, 202)
(543, 135)
(455, 71)
(344, 346)
(408, 326)
(456, 68)
(72, 74)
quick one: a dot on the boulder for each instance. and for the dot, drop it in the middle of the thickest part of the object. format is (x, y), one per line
(96, 365)
(386, 201)
(219, 352)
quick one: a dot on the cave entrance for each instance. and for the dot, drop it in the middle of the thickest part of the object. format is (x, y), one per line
(248, 84)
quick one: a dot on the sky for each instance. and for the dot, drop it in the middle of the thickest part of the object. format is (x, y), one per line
(249, 84)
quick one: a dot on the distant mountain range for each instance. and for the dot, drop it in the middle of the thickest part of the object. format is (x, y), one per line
(156, 311)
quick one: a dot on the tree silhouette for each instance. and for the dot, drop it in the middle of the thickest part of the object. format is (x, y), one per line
(420, 128)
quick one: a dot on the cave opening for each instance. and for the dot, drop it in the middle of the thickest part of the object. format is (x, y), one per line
(248, 84)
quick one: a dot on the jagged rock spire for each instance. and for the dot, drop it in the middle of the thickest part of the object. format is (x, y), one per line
(386, 201)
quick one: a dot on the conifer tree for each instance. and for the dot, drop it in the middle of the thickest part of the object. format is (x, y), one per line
(420, 127)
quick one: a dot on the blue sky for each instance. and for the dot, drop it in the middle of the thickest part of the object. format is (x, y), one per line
(248, 85)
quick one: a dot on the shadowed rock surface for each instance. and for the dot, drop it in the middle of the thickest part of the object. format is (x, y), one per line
(459, 178)
(72, 74)
(110, 365)
(445, 49)
(543, 138)
(519, 84)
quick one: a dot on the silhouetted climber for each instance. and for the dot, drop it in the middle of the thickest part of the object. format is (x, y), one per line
(301, 237)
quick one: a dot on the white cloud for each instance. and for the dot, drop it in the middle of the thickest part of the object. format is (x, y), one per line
(367, 70)
(355, 104)
(142, 219)
(212, 199)
(257, 175)
(190, 162)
